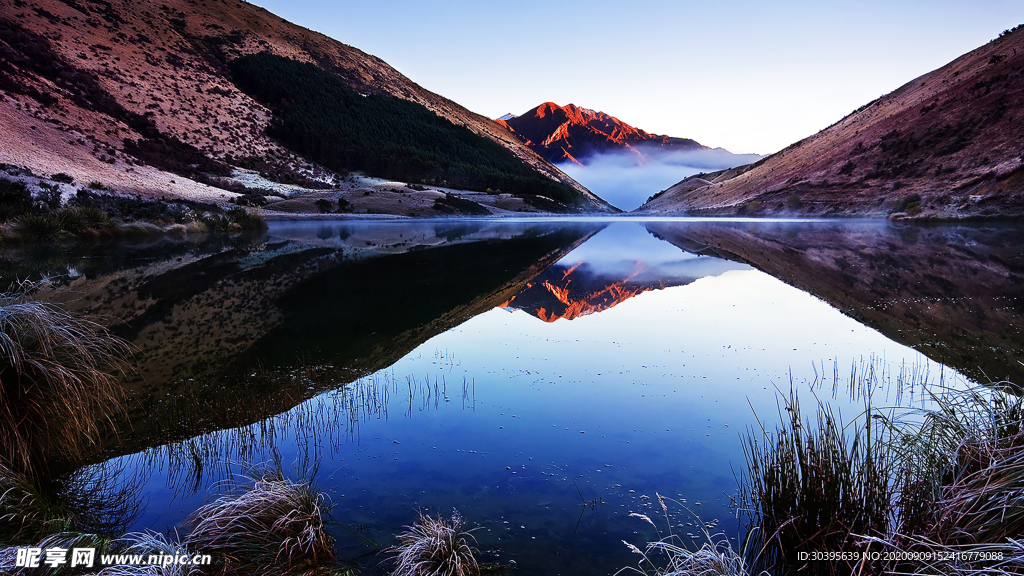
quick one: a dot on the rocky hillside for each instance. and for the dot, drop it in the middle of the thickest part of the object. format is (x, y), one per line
(574, 134)
(947, 144)
(141, 97)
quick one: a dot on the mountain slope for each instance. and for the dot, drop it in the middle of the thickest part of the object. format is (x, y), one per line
(571, 133)
(947, 144)
(82, 79)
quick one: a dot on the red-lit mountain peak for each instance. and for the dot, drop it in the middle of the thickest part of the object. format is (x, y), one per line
(571, 132)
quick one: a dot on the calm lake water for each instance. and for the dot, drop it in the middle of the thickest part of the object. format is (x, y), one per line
(545, 378)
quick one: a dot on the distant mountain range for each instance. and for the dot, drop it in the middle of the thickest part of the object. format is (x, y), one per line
(945, 145)
(574, 134)
(166, 98)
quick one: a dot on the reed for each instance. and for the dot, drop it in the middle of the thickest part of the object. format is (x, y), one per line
(927, 481)
(812, 486)
(434, 546)
(58, 382)
(272, 526)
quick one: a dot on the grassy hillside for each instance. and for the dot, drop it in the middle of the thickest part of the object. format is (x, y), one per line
(944, 145)
(318, 116)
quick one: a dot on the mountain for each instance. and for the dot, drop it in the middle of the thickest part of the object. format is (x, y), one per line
(946, 144)
(173, 98)
(574, 134)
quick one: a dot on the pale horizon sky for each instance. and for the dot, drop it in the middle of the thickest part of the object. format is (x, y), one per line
(751, 77)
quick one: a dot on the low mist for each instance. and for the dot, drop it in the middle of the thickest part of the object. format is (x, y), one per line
(628, 179)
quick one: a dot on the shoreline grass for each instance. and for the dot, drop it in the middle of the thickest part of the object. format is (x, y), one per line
(940, 489)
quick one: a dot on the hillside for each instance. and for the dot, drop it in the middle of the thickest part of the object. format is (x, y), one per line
(574, 134)
(141, 97)
(947, 144)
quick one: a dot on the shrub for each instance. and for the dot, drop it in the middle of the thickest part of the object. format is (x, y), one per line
(435, 547)
(96, 185)
(38, 227)
(49, 196)
(15, 199)
(252, 199)
(62, 177)
(73, 220)
(140, 229)
(324, 206)
(793, 202)
(246, 219)
(452, 204)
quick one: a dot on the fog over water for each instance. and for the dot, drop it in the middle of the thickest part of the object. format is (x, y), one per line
(627, 179)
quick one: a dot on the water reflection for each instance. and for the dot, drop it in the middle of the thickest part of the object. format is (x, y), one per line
(954, 293)
(420, 365)
(613, 266)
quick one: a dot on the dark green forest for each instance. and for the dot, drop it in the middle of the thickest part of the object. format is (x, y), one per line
(317, 115)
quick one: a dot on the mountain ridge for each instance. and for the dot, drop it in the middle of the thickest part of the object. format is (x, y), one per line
(572, 133)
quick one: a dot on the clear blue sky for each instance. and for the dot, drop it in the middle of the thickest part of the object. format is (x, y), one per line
(744, 75)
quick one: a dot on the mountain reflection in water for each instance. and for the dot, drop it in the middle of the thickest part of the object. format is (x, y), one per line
(953, 293)
(408, 363)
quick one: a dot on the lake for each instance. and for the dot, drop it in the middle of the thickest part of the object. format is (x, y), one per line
(545, 377)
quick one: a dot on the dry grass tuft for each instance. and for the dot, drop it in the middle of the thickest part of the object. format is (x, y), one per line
(58, 382)
(435, 547)
(272, 527)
